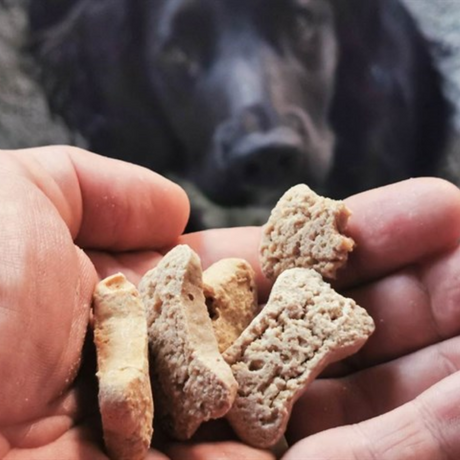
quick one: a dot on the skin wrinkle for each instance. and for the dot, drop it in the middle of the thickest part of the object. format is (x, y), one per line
(19, 346)
(55, 192)
(424, 286)
(445, 297)
(71, 210)
(26, 322)
(371, 454)
(66, 195)
(389, 375)
(408, 440)
(61, 413)
(62, 442)
(69, 216)
(434, 426)
(412, 277)
(38, 172)
(79, 327)
(55, 368)
(392, 384)
(445, 361)
(442, 371)
(18, 441)
(34, 221)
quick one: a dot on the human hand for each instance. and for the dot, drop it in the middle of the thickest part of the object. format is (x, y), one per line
(54, 201)
(50, 198)
(398, 398)
(74, 197)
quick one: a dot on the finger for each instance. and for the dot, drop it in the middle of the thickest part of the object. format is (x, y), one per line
(424, 429)
(393, 226)
(210, 245)
(106, 203)
(363, 395)
(133, 265)
(45, 430)
(155, 455)
(47, 282)
(78, 443)
(217, 450)
(214, 245)
(243, 242)
(412, 309)
(75, 444)
(398, 225)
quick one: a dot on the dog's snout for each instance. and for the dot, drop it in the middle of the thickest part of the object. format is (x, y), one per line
(257, 119)
(264, 158)
(259, 152)
(265, 164)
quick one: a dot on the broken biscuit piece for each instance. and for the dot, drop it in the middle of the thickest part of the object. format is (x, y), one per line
(191, 381)
(305, 326)
(125, 395)
(305, 230)
(231, 297)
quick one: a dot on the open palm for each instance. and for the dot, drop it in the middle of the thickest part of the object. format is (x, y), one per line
(405, 271)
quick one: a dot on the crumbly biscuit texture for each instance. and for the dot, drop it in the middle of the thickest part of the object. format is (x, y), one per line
(125, 395)
(192, 383)
(305, 230)
(231, 297)
(304, 326)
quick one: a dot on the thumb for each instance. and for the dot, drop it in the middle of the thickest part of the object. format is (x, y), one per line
(108, 204)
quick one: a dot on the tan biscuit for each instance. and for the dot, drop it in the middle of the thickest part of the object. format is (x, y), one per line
(305, 326)
(125, 395)
(304, 230)
(192, 382)
(231, 296)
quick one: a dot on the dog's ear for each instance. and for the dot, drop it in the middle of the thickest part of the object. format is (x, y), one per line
(75, 44)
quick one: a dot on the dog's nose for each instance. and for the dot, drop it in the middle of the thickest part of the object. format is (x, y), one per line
(264, 158)
(264, 161)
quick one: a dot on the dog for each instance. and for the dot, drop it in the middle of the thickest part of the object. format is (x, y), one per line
(245, 98)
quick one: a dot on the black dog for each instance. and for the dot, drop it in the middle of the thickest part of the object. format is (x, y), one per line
(247, 97)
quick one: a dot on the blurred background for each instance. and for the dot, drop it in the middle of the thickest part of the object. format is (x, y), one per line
(26, 119)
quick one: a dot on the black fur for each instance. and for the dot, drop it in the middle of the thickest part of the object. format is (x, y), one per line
(162, 83)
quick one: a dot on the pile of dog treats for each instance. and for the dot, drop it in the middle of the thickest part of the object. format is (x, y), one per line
(198, 346)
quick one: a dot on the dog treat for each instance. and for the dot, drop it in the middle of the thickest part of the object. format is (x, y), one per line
(192, 382)
(125, 394)
(231, 297)
(304, 230)
(304, 327)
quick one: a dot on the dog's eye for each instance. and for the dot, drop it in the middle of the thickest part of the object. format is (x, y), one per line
(175, 56)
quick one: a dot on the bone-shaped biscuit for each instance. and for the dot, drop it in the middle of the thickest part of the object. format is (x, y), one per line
(231, 296)
(304, 230)
(192, 383)
(125, 395)
(304, 326)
